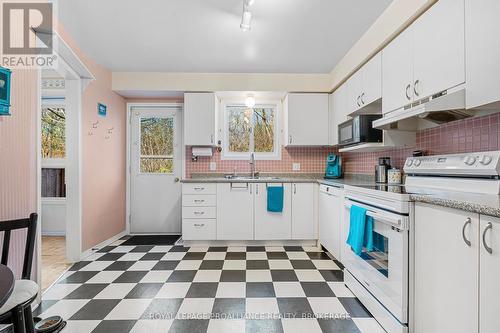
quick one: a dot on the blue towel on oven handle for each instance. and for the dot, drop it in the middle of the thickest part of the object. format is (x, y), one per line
(360, 230)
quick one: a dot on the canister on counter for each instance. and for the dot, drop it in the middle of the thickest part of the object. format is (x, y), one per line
(394, 176)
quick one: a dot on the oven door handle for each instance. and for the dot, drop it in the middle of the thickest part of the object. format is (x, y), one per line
(392, 220)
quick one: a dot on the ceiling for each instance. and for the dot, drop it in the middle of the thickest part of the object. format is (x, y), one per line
(203, 36)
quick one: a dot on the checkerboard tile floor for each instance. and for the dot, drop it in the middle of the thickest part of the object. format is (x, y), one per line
(206, 289)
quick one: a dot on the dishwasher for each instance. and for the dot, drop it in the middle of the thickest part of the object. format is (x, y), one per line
(330, 212)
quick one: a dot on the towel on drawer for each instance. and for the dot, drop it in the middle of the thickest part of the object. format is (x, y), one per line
(275, 199)
(360, 230)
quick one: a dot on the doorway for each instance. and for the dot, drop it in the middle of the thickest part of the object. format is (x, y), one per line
(155, 168)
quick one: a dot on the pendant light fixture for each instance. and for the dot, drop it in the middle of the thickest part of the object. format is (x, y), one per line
(246, 17)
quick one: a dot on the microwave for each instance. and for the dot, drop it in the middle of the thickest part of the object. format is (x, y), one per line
(359, 130)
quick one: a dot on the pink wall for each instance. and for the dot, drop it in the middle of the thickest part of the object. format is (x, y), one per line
(103, 159)
(18, 177)
(469, 135)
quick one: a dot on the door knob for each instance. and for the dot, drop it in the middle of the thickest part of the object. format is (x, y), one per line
(176, 179)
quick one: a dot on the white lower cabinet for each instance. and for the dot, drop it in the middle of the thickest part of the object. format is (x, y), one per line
(199, 203)
(198, 229)
(235, 211)
(447, 270)
(330, 214)
(270, 225)
(304, 212)
(489, 274)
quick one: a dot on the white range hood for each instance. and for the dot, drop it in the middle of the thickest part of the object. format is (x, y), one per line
(438, 109)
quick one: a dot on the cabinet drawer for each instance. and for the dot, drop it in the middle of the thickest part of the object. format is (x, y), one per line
(198, 212)
(199, 188)
(193, 200)
(198, 229)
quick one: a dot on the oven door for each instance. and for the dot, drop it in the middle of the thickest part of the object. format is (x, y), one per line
(349, 132)
(383, 271)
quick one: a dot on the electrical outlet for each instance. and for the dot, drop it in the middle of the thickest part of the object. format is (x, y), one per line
(296, 166)
(213, 166)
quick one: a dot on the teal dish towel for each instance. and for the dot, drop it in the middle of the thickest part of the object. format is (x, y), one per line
(360, 230)
(275, 199)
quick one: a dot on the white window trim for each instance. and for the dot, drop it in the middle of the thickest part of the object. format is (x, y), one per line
(224, 130)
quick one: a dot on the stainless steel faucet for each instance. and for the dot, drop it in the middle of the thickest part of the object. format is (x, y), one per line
(253, 174)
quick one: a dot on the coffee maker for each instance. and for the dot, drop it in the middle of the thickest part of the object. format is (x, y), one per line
(384, 164)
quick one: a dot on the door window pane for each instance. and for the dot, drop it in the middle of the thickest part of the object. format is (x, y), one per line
(263, 130)
(53, 183)
(53, 132)
(239, 119)
(378, 258)
(157, 145)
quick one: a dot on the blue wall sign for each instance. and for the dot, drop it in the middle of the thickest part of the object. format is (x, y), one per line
(101, 109)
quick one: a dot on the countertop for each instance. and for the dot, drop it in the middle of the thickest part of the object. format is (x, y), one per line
(351, 179)
(487, 204)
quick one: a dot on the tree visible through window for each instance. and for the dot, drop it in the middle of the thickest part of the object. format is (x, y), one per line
(53, 132)
(251, 129)
(157, 145)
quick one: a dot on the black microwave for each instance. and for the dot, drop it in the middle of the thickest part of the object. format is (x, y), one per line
(359, 130)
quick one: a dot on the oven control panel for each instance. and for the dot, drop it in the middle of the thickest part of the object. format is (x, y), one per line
(467, 164)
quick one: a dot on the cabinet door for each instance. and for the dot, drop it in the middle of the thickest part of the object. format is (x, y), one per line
(397, 72)
(489, 286)
(354, 88)
(235, 211)
(304, 225)
(329, 221)
(270, 225)
(371, 89)
(199, 119)
(306, 120)
(482, 52)
(439, 48)
(338, 112)
(446, 270)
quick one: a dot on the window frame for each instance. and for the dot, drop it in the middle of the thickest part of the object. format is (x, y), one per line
(57, 102)
(167, 157)
(224, 130)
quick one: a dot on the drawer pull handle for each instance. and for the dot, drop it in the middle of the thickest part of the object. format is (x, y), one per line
(199, 225)
(199, 188)
(467, 222)
(199, 213)
(486, 247)
(199, 201)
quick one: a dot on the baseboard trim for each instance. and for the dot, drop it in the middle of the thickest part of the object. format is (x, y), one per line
(53, 233)
(99, 246)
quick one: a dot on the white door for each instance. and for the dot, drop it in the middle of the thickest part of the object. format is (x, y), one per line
(271, 225)
(446, 274)
(155, 169)
(304, 225)
(235, 211)
(489, 321)
(439, 48)
(397, 72)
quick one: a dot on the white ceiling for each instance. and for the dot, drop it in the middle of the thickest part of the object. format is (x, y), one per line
(287, 36)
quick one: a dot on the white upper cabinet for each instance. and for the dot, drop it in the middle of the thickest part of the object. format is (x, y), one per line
(200, 119)
(482, 53)
(306, 119)
(439, 48)
(365, 87)
(426, 58)
(272, 225)
(397, 72)
(338, 112)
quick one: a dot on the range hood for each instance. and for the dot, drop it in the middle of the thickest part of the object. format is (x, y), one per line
(446, 106)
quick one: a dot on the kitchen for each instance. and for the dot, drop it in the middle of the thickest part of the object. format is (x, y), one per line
(260, 192)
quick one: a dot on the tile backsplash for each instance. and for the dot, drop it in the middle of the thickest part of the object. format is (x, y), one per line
(468, 135)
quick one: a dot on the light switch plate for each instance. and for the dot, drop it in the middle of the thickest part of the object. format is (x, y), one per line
(213, 166)
(296, 166)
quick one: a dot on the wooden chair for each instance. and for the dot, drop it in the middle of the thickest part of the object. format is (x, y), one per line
(17, 309)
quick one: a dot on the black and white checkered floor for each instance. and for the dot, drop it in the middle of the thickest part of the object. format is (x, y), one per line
(217, 289)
